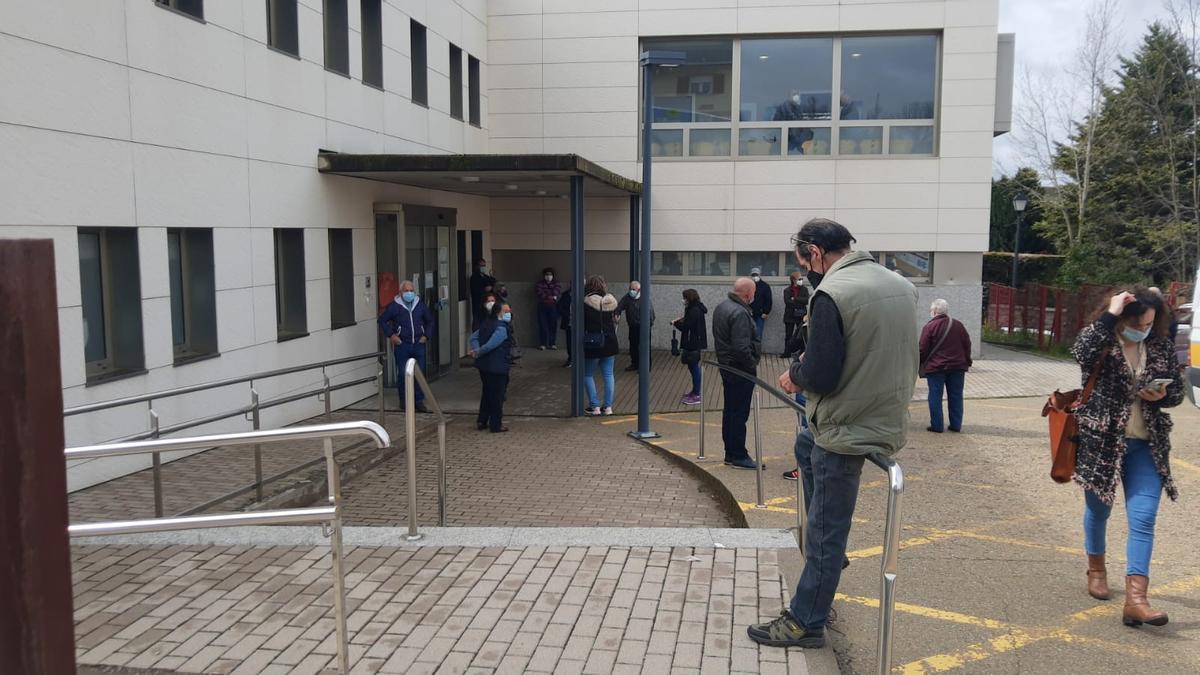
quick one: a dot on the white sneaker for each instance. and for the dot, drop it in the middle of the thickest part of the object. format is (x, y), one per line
(591, 412)
(608, 411)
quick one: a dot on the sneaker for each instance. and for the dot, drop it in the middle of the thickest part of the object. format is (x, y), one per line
(541, 348)
(785, 632)
(746, 463)
(554, 348)
(691, 399)
(794, 474)
(567, 364)
(608, 411)
(591, 412)
(931, 429)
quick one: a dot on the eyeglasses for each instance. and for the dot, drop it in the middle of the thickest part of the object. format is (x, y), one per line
(800, 244)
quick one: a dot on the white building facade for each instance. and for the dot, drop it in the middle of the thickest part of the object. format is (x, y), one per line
(169, 148)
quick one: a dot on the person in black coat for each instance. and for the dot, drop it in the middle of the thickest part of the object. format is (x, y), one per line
(795, 307)
(492, 346)
(693, 339)
(480, 282)
(760, 307)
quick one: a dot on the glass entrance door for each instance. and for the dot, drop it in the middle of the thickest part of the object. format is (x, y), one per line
(427, 258)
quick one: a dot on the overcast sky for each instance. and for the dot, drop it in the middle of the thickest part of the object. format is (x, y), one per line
(1048, 34)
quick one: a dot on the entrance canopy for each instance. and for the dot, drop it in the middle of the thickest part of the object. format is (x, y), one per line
(483, 175)
(511, 176)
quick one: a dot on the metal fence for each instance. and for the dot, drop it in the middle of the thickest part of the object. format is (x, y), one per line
(253, 410)
(329, 516)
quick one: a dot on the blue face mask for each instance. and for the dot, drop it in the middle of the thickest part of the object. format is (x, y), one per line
(1134, 335)
(506, 317)
(635, 294)
(408, 296)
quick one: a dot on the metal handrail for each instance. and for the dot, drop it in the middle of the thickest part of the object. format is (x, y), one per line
(191, 389)
(254, 410)
(329, 516)
(758, 478)
(412, 377)
(891, 542)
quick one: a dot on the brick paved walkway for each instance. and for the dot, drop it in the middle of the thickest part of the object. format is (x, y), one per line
(541, 386)
(236, 609)
(543, 472)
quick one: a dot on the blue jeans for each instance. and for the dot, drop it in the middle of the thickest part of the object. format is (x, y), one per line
(547, 325)
(695, 370)
(830, 492)
(1143, 488)
(952, 381)
(760, 323)
(403, 352)
(802, 401)
(606, 371)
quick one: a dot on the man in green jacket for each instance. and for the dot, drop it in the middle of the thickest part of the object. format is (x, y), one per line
(858, 373)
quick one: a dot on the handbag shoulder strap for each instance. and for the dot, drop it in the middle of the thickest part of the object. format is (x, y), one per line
(949, 325)
(1091, 383)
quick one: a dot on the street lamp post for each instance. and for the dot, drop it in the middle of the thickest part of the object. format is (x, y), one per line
(648, 60)
(1019, 202)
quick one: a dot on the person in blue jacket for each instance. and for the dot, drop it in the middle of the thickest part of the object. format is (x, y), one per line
(408, 325)
(491, 346)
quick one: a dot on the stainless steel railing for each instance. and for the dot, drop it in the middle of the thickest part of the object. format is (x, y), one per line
(757, 402)
(253, 410)
(889, 570)
(329, 516)
(413, 377)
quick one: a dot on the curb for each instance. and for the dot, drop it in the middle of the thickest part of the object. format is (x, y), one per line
(724, 497)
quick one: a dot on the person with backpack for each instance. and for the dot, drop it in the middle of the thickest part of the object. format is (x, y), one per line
(492, 349)
(945, 359)
(693, 339)
(600, 345)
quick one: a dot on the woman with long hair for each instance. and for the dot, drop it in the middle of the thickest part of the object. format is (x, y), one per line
(1124, 436)
(693, 339)
(599, 343)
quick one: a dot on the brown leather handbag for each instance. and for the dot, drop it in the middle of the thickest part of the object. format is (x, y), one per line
(1060, 408)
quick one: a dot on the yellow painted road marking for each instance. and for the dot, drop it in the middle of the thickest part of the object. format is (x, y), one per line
(1187, 465)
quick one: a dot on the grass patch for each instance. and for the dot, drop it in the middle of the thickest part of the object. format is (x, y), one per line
(1026, 341)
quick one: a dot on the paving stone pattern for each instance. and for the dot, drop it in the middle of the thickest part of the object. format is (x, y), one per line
(424, 610)
(544, 472)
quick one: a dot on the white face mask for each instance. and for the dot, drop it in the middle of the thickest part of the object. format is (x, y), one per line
(796, 99)
(549, 277)
(488, 305)
(755, 278)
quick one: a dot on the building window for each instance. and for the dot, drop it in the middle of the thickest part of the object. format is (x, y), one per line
(667, 263)
(695, 97)
(291, 313)
(475, 114)
(420, 67)
(337, 37)
(456, 83)
(193, 293)
(193, 8)
(709, 264)
(111, 289)
(916, 267)
(372, 42)
(767, 263)
(283, 32)
(797, 97)
(341, 277)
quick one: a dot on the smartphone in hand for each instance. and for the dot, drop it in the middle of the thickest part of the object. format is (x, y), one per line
(1159, 384)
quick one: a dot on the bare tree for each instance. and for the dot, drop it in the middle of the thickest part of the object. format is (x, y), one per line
(1052, 100)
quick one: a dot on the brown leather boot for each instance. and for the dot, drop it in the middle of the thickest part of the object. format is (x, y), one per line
(1137, 608)
(1097, 577)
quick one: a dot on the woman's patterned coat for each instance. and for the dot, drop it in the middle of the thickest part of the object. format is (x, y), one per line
(1102, 420)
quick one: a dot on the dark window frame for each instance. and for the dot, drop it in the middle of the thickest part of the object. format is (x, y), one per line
(284, 14)
(341, 278)
(122, 358)
(195, 281)
(337, 36)
(371, 34)
(419, 43)
(288, 327)
(175, 6)
(475, 113)
(456, 82)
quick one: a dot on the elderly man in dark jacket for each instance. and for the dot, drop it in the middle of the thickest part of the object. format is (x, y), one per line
(631, 307)
(739, 346)
(408, 324)
(760, 302)
(945, 358)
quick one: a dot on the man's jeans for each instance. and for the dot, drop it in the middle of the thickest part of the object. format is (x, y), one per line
(403, 352)
(952, 381)
(760, 324)
(830, 494)
(733, 417)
